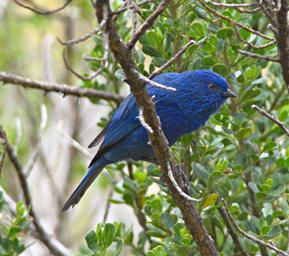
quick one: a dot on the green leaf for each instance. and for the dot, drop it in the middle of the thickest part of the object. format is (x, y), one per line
(225, 33)
(149, 50)
(91, 241)
(198, 30)
(108, 234)
(221, 69)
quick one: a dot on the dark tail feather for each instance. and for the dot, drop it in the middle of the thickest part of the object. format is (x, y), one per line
(92, 173)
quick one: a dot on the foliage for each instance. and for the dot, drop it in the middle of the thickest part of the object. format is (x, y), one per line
(12, 229)
(238, 156)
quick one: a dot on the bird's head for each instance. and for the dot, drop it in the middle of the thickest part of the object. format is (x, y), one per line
(206, 89)
(210, 85)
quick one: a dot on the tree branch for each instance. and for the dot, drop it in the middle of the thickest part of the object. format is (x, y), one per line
(283, 39)
(272, 118)
(231, 231)
(54, 246)
(258, 56)
(235, 23)
(60, 88)
(173, 59)
(3, 141)
(251, 237)
(42, 12)
(123, 56)
(147, 24)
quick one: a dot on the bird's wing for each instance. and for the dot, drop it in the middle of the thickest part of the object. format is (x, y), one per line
(123, 122)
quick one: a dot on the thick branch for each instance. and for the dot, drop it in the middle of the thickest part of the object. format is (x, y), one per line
(54, 246)
(60, 88)
(283, 40)
(157, 138)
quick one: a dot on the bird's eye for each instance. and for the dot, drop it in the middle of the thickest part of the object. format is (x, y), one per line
(212, 86)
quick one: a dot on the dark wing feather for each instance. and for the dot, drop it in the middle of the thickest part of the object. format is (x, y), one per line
(98, 138)
(123, 122)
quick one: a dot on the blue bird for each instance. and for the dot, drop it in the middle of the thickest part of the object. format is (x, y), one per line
(198, 95)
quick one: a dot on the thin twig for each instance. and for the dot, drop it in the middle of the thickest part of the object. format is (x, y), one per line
(143, 122)
(153, 83)
(258, 56)
(272, 118)
(231, 231)
(125, 7)
(60, 88)
(3, 141)
(243, 10)
(235, 23)
(80, 39)
(43, 12)
(177, 187)
(173, 59)
(251, 237)
(232, 5)
(54, 246)
(108, 204)
(9, 201)
(147, 24)
(32, 161)
(104, 60)
(252, 45)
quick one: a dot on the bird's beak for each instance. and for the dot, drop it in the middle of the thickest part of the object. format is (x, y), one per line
(229, 93)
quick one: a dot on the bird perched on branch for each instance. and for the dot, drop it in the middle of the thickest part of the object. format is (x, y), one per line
(198, 95)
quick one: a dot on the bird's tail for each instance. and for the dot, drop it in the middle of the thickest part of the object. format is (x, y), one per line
(90, 176)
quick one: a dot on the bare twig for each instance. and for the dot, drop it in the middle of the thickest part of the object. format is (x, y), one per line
(251, 237)
(9, 201)
(143, 122)
(177, 187)
(147, 24)
(108, 204)
(3, 141)
(252, 45)
(60, 88)
(232, 232)
(80, 39)
(173, 59)
(43, 12)
(243, 10)
(104, 60)
(258, 56)
(32, 161)
(153, 83)
(232, 5)
(235, 23)
(54, 246)
(74, 143)
(125, 7)
(272, 118)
